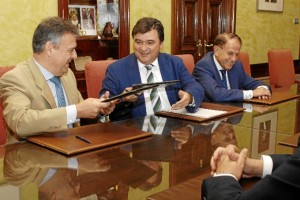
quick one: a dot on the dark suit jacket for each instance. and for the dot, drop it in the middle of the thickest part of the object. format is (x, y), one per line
(283, 183)
(206, 73)
(125, 72)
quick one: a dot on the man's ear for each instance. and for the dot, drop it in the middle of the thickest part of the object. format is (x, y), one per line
(216, 50)
(49, 48)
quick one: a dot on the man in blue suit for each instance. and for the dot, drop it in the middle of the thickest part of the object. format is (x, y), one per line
(148, 37)
(222, 75)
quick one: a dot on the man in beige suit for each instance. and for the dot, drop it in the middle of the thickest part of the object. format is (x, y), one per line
(30, 98)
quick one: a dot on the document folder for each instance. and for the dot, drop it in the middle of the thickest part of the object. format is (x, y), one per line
(137, 88)
(98, 135)
(156, 84)
(276, 97)
(224, 110)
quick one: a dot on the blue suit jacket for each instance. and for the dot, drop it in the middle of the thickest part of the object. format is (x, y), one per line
(206, 73)
(125, 72)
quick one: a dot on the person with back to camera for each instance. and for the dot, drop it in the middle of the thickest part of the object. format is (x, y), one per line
(222, 75)
(40, 94)
(279, 173)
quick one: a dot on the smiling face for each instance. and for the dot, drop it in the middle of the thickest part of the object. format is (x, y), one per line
(228, 53)
(62, 54)
(147, 46)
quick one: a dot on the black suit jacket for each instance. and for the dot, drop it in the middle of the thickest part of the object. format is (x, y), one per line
(283, 183)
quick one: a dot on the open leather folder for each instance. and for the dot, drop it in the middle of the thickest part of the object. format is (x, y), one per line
(90, 137)
(217, 110)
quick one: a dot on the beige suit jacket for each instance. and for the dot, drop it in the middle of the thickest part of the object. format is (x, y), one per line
(28, 105)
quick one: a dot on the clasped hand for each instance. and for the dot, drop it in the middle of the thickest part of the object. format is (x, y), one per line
(228, 161)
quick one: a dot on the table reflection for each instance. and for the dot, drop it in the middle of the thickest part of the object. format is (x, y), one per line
(176, 156)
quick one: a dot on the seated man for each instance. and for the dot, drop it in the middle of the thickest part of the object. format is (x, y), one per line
(222, 75)
(146, 65)
(40, 94)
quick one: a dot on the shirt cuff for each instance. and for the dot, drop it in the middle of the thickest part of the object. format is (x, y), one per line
(192, 104)
(224, 174)
(267, 165)
(71, 114)
(247, 94)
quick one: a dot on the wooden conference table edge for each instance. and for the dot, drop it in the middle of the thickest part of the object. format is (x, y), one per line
(192, 188)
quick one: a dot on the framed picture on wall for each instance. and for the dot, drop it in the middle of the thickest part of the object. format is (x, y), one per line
(270, 5)
(264, 134)
(84, 17)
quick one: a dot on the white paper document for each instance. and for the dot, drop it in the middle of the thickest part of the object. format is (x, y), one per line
(201, 112)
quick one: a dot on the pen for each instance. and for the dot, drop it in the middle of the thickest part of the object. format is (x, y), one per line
(82, 139)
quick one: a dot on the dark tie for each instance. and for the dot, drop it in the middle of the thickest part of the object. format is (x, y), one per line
(224, 80)
(156, 103)
(61, 102)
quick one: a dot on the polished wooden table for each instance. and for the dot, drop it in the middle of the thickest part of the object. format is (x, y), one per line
(169, 165)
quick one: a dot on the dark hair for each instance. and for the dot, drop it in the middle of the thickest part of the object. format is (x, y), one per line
(146, 24)
(51, 29)
(223, 38)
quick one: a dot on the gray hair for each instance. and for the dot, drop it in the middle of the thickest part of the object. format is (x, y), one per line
(51, 30)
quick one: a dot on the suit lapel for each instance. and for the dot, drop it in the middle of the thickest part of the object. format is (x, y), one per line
(41, 83)
(166, 71)
(134, 72)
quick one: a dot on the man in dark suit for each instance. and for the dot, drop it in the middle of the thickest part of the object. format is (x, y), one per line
(222, 75)
(148, 37)
(280, 176)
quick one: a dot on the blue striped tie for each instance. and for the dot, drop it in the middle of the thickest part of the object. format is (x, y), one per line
(61, 102)
(224, 80)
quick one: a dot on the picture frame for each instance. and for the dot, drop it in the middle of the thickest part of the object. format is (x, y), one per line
(270, 5)
(84, 17)
(264, 134)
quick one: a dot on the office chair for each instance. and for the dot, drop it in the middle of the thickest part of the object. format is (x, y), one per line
(281, 68)
(3, 70)
(244, 58)
(188, 61)
(94, 74)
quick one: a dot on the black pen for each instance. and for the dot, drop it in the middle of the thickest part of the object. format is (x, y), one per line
(82, 139)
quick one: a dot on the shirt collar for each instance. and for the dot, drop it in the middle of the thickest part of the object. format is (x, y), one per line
(142, 66)
(48, 75)
(217, 63)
